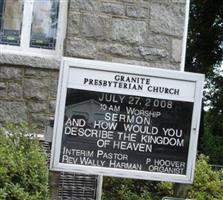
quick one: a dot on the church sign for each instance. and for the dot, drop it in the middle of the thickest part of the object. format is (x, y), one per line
(126, 121)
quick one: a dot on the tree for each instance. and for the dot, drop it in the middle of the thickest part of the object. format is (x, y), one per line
(205, 37)
(205, 55)
(211, 143)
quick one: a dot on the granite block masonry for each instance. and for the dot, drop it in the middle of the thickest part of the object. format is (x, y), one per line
(141, 32)
(145, 32)
(27, 94)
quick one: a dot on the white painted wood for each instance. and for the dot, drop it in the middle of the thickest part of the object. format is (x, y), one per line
(99, 188)
(26, 25)
(184, 46)
(76, 77)
(24, 48)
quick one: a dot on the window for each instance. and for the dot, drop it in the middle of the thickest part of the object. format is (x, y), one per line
(10, 21)
(32, 26)
(44, 24)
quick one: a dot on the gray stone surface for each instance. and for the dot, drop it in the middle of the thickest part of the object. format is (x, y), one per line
(112, 8)
(37, 106)
(31, 61)
(36, 72)
(10, 73)
(3, 89)
(35, 89)
(15, 90)
(80, 48)
(96, 26)
(118, 49)
(129, 1)
(86, 5)
(73, 23)
(52, 106)
(178, 1)
(140, 32)
(146, 64)
(167, 19)
(152, 53)
(152, 23)
(27, 97)
(169, 1)
(53, 88)
(137, 11)
(13, 111)
(125, 29)
(130, 31)
(42, 120)
(156, 40)
(176, 50)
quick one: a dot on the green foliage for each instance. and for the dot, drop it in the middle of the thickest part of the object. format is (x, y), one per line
(131, 189)
(211, 145)
(127, 189)
(165, 189)
(126, 194)
(23, 165)
(205, 36)
(208, 184)
(205, 55)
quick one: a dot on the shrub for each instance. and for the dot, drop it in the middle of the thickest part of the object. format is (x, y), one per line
(132, 189)
(23, 164)
(125, 192)
(208, 184)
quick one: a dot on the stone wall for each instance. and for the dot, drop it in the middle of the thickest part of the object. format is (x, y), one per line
(144, 32)
(27, 94)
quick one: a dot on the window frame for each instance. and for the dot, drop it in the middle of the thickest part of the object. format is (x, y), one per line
(24, 48)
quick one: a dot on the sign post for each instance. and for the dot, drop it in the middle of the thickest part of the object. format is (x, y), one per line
(126, 121)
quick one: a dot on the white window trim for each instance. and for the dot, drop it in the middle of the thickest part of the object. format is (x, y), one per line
(184, 46)
(24, 48)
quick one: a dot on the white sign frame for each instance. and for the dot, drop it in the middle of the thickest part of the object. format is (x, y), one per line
(71, 64)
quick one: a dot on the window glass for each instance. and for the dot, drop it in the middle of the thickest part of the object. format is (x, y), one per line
(44, 24)
(11, 12)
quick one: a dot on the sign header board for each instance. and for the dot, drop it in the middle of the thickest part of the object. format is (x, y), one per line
(126, 121)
